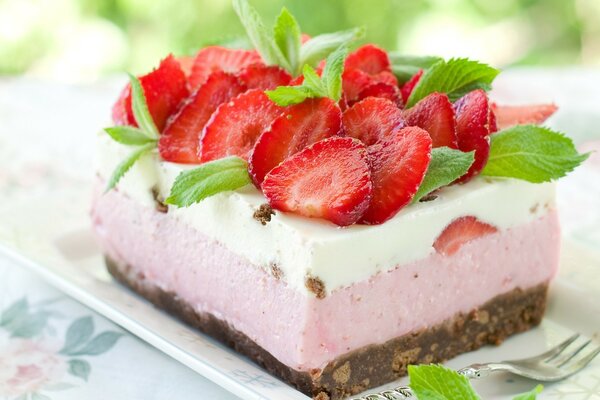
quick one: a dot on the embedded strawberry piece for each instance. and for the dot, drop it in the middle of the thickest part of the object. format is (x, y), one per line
(164, 89)
(383, 90)
(217, 58)
(180, 139)
(260, 76)
(472, 129)
(235, 126)
(409, 86)
(398, 165)
(508, 116)
(370, 59)
(372, 120)
(329, 179)
(300, 126)
(435, 114)
(461, 231)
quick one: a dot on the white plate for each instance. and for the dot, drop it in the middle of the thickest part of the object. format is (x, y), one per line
(55, 241)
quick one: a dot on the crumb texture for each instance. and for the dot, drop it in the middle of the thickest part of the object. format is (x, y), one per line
(263, 214)
(316, 286)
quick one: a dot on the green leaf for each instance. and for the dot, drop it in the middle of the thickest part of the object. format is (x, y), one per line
(332, 74)
(30, 325)
(100, 344)
(319, 47)
(79, 332)
(126, 164)
(259, 35)
(312, 82)
(140, 109)
(455, 77)
(436, 382)
(128, 135)
(288, 37)
(80, 368)
(16, 310)
(39, 396)
(404, 67)
(446, 166)
(531, 395)
(214, 177)
(288, 95)
(531, 153)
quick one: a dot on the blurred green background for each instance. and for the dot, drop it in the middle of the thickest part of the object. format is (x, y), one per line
(82, 40)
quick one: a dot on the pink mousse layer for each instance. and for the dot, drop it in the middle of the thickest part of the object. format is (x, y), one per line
(300, 330)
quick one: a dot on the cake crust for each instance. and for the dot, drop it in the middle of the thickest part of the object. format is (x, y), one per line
(373, 365)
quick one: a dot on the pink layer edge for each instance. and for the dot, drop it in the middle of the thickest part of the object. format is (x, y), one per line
(300, 330)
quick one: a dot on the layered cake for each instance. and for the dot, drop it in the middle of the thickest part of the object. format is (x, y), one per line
(326, 216)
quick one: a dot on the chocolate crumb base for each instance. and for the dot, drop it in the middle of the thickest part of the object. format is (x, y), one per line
(263, 214)
(373, 365)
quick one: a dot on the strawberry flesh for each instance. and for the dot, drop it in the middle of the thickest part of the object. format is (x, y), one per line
(409, 86)
(372, 120)
(180, 139)
(398, 165)
(217, 58)
(383, 90)
(370, 59)
(460, 232)
(235, 126)
(329, 179)
(435, 114)
(508, 116)
(260, 76)
(301, 125)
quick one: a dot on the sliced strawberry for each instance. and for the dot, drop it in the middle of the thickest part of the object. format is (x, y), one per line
(355, 81)
(263, 77)
(473, 129)
(164, 89)
(180, 139)
(370, 59)
(235, 126)
(186, 63)
(217, 58)
(386, 77)
(329, 179)
(461, 231)
(300, 126)
(383, 90)
(508, 116)
(409, 86)
(372, 120)
(435, 114)
(398, 165)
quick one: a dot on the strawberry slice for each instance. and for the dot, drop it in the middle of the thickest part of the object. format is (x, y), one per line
(398, 165)
(370, 59)
(186, 63)
(508, 116)
(383, 90)
(372, 119)
(180, 139)
(354, 81)
(263, 77)
(435, 114)
(301, 125)
(164, 89)
(473, 117)
(235, 126)
(329, 179)
(409, 86)
(217, 58)
(459, 232)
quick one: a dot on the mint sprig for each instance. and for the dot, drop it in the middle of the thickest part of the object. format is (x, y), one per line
(446, 166)
(128, 135)
(404, 67)
(329, 84)
(319, 47)
(531, 153)
(531, 395)
(288, 38)
(455, 77)
(127, 163)
(208, 179)
(140, 110)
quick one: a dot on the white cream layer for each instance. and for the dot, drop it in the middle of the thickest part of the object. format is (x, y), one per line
(303, 247)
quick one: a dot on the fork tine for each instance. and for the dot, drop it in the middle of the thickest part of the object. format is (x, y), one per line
(556, 350)
(581, 363)
(568, 357)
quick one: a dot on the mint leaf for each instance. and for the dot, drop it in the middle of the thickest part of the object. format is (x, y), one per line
(531, 153)
(446, 166)
(319, 47)
(80, 368)
(128, 135)
(126, 164)
(404, 67)
(455, 77)
(436, 382)
(288, 37)
(312, 82)
(140, 109)
(259, 35)
(332, 73)
(217, 176)
(289, 95)
(531, 395)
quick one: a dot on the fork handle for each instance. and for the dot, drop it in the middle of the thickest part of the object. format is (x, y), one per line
(477, 371)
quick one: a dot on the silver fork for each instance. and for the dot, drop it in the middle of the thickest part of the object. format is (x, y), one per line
(553, 365)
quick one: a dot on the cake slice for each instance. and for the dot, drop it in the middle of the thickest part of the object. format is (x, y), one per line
(340, 228)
